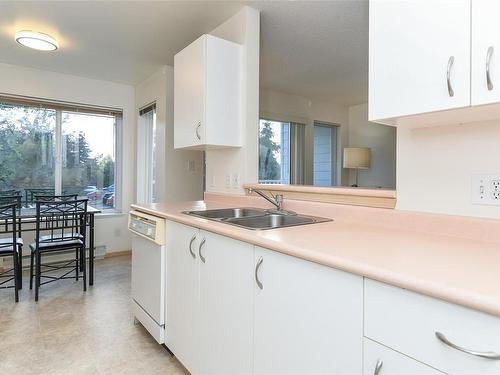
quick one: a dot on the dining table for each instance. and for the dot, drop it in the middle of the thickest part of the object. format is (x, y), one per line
(26, 217)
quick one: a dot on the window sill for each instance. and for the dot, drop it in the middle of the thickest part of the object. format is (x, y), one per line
(111, 214)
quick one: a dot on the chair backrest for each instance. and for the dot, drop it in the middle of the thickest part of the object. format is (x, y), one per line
(56, 198)
(9, 199)
(61, 220)
(8, 222)
(30, 194)
(10, 192)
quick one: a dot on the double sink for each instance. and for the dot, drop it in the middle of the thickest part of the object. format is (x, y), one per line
(256, 218)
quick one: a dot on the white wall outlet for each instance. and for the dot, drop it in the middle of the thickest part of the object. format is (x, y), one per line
(213, 184)
(228, 180)
(191, 166)
(235, 181)
(486, 189)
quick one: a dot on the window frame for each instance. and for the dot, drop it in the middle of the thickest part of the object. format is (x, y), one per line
(61, 107)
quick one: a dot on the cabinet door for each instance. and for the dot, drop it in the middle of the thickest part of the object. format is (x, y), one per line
(182, 293)
(485, 52)
(380, 360)
(308, 318)
(411, 44)
(226, 305)
(189, 95)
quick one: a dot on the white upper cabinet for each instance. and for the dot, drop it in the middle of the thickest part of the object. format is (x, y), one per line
(485, 52)
(419, 57)
(207, 94)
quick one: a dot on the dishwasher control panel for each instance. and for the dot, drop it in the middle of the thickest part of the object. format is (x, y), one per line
(149, 226)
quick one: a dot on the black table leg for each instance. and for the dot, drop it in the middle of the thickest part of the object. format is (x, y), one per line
(91, 250)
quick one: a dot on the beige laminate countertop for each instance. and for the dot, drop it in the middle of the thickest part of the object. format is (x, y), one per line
(458, 270)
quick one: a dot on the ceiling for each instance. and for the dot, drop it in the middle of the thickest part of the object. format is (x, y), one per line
(308, 48)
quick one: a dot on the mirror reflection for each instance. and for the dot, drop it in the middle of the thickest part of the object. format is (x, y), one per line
(314, 127)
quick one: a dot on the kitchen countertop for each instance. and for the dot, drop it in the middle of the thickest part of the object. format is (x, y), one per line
(459, 270)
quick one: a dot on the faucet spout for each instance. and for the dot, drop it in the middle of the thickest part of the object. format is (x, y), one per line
(277, 202)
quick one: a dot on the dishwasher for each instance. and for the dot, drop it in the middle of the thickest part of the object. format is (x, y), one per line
(148, 272)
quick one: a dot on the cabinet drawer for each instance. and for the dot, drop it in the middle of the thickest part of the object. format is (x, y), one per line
(379, 360)
(408, 322)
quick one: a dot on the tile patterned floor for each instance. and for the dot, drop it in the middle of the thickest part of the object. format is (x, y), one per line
(71, 332)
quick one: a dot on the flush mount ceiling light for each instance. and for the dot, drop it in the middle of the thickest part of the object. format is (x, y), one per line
(36, 40)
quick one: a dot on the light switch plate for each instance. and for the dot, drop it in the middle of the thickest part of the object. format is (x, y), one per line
(235, 181)
(228, 181)
(486, 189)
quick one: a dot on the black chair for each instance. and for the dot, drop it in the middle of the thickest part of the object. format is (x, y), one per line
(8, 247)
(10, 192)
(56, 198)
(63, 220)
(17, 200)
(31, 193)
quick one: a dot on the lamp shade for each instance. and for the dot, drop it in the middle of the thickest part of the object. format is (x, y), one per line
(357, 157)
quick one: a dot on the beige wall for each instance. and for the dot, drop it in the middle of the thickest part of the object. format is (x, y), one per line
(435, 166)
(174, 181)
(381, 139)
(111, 230)
(286, 107)
(243, 28)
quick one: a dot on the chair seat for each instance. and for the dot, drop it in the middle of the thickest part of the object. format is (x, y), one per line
(6, 245)
(66, 235)
(60, 244)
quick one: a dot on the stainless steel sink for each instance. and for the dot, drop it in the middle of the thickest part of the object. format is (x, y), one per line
(254, 218)
(227, 213)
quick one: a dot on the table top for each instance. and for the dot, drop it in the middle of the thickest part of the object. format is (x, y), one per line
(30, 212)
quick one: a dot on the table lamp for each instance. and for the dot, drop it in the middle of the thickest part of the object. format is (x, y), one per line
(357, 158)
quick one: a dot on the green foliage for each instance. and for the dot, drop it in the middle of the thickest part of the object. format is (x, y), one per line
(27, 153)
(269, 168)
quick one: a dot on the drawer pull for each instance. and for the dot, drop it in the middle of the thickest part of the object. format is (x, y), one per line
(488, 355)
(451, 60)
(378, 367)
(489, 54)
(191, 247)
(257, 280)
(199, 251)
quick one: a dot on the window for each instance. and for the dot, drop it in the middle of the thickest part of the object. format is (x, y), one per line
(147, 155)
(274, 152)
(281, 152)
(59, 149)
(325, 154)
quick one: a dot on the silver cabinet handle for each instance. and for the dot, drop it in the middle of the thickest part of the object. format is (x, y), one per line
(199, 250)
(451, 60)
(489, 54)
(488, 355)
(378, 367)
(191, 247)
(198, 130)
(259, 263)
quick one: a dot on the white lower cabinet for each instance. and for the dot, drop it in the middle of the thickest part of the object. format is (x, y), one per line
(451, 338)
(380, 360)
(226, 306)
(209, 301)
(308, 317)
(182, 293)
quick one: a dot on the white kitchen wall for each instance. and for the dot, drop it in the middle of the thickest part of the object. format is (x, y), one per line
(381, 139)
(286, 107)
(175, 182)
(243, 28)
(435, 166)
(111, 230)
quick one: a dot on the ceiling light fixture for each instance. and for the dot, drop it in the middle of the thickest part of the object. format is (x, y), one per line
(36, 40)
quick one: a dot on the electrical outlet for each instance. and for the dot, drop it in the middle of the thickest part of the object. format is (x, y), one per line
(191, 166)
(486, 189)
(228, 180)
(235, 181)
(213, 182)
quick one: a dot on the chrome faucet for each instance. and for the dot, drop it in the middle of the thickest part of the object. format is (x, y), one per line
(277, 202)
